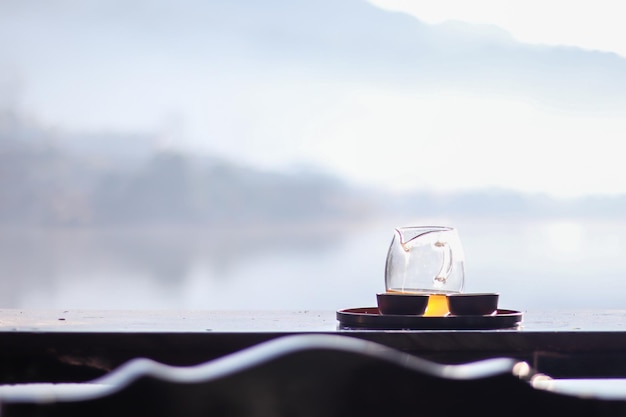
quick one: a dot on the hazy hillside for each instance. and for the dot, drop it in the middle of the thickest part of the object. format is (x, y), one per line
(42, 183)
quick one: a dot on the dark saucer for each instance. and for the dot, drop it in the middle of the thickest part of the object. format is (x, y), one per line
(370, 318)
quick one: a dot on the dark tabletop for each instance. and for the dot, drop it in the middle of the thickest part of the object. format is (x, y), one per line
(241, 321)
(80, 344)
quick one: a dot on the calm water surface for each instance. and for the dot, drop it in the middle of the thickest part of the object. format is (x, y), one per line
(533, 264)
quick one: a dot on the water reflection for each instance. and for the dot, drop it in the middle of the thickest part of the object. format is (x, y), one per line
(532, 264)
(167, 268)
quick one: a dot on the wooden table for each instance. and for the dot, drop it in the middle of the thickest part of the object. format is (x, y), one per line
(73, 345)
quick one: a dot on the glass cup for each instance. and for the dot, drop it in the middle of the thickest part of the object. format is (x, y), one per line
(426, 260)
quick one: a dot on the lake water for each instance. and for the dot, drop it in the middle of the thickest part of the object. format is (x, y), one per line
(533, 264)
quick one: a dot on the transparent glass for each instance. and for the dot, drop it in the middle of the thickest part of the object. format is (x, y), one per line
(426, 259)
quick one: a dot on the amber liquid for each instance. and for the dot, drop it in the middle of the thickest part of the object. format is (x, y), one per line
(437, 303)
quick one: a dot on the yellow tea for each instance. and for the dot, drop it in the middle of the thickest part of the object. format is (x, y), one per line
(437, 303)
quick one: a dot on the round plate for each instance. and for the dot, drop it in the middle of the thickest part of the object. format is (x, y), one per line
(370, 318)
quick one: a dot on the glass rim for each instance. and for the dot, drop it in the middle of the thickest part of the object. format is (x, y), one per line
(442, 228)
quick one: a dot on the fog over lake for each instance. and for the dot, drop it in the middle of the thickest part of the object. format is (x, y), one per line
(533, 264)
(258, 155)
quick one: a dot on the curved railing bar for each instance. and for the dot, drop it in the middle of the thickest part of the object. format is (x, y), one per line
(260, 354)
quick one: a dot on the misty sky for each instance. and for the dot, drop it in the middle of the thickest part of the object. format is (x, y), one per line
(384, 98)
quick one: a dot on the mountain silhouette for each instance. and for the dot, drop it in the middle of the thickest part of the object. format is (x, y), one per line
(112, 43)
